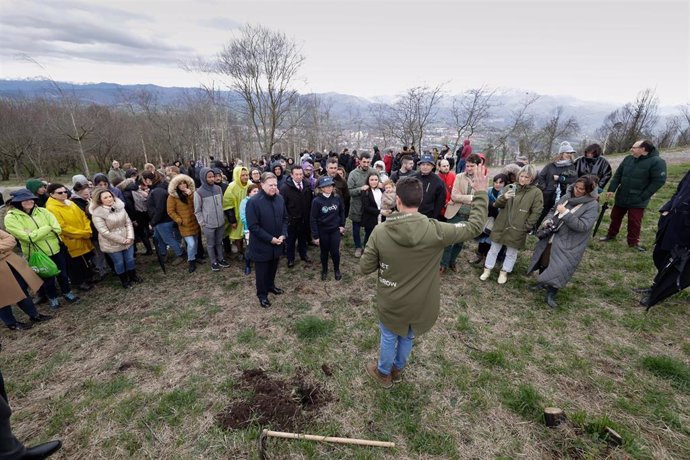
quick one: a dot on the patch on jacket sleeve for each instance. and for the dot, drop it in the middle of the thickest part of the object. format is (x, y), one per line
(460, 224)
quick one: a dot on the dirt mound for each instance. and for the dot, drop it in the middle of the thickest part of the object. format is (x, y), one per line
(280, 404)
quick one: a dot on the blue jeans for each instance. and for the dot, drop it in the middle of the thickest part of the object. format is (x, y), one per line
(395, 350)
(123, 261)
(356, 226)
(190, 241)
(166, 235)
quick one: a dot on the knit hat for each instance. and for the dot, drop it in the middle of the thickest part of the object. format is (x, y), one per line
(521, 158)
(34, 184)
(325, 181)
(22, 195)
(566, 148)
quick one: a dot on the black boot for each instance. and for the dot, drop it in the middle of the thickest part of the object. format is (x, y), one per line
(192, 266)
(41, 451)
(551, 297)
(124, 279)
(133, 276)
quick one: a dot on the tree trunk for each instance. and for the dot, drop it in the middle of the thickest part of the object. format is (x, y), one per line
(81, 148)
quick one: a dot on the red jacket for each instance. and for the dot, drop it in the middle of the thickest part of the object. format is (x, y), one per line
(449, 180)
(388, 162)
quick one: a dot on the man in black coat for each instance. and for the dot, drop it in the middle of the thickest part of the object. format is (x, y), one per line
(434, 189)
(297, 195)
(165, 231)
(267, 221)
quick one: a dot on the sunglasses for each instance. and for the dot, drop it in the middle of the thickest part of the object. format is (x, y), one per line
(64, 192)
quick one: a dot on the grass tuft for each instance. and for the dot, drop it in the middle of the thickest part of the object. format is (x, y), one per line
(668, 368)
(311, 328)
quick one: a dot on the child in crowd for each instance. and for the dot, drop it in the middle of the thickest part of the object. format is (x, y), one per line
(388, 199)
(327, 225)
(252, 190)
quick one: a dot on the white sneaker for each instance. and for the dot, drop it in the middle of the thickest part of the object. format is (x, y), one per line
(485, 275)
(502, 277)
(358, 252)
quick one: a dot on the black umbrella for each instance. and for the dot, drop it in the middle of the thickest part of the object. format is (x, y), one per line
(672, 278)
(600, 218)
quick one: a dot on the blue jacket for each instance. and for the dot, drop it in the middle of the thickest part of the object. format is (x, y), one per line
(327, 214)
(267, 219)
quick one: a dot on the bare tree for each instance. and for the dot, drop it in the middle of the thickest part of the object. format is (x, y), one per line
(263, 65)
(667, 136)
(470, 110)
(634, 120)
(684, 135)
(520, 130)
(412, 113)
(557, 127)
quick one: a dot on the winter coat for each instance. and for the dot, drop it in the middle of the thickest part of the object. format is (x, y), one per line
(267, 219)
(388, 162)
(598, 166)
(182, 213)
(116, 174)
(448, 180)
(637, 179)
(40, 228)
(355, 180)
(341, 188)
(10, 290)
(157, 204)
(327, 214)
(116, 192)
(674, 227)
(397, 174)
(569, 243)
(460, 196)
(208, 204)
(297, 203)
(564, 169)
(370, 210)
(281, 178)
(113, 225)
(434, 195)
(518, 217)
(406, 251)
(76, 227)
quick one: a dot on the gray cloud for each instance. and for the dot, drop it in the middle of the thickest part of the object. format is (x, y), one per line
(221, 23)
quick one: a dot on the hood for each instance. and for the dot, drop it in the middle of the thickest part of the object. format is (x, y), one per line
(653, 153)
(101, 211)
(236, 173)
(100, 177)
(128, 184)
(407, 229)
(202, 179)
(466, 142)
(380, 163)
(177, 180)
(79, 178)
(277, 163)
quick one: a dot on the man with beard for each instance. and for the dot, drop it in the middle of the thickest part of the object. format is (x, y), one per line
(357, 184)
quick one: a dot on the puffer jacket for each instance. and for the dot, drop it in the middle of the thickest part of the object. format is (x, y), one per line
(518, 217)
(113, 225)
(637, 179)
(180, 212)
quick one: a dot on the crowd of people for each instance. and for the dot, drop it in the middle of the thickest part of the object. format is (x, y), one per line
(278, 207)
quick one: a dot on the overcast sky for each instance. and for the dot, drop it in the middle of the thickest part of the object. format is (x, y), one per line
(603, 50)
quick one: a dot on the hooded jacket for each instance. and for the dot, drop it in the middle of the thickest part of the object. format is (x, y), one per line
(76, 227)
(182, 212)
(208, 203)
(157, 204)
(113, 225)
(434, 197)
(100, 177)
(637, 179)
(281, 178)
(232, 198)
(518, 216)
(405, 251)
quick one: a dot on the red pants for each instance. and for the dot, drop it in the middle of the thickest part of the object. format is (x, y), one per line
(635, 216)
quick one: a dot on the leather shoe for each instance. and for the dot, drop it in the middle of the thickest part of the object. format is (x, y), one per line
(638, 248)
(384, 381)
(276, 290)
(41, 451)
(642, 290)
(338, 275)
(606, 238)
(265, 303)
(291, 263)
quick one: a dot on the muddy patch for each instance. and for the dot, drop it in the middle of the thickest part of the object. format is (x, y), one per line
(280, 404)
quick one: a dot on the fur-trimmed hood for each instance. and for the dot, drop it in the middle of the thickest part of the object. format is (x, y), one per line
(99, 210)
(177, 180)
(126, 183)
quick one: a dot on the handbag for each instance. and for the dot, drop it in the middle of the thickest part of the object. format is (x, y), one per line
(41, 263)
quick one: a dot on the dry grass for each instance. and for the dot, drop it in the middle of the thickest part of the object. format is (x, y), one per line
(142, 373)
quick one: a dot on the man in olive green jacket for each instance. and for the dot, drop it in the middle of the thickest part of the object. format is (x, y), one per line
(405, 250)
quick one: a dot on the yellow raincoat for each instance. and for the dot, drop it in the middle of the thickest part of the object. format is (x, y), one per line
(235, 193)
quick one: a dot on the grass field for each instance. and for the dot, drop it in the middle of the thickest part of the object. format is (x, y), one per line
(143, 373)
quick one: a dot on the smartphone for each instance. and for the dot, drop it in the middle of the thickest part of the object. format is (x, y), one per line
(511, 187)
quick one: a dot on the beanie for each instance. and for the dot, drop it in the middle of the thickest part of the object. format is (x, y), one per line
(34, 184)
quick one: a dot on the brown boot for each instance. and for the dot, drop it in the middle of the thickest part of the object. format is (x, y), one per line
(396, 375)
(383, 380)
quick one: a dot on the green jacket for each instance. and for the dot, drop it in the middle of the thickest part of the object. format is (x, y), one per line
(406, 250)
(355, 180)
(41, 228)
(637, 179)
(518, 216)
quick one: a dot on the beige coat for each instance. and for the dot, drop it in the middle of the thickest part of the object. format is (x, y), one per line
(10, 291)
(460, 195)
(113, 226)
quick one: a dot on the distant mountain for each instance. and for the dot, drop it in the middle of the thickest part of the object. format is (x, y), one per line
(348, 108)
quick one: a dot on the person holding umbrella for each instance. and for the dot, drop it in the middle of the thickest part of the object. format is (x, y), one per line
(672, 251)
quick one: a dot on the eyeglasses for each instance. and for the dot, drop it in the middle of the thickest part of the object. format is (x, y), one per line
(64, 192)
